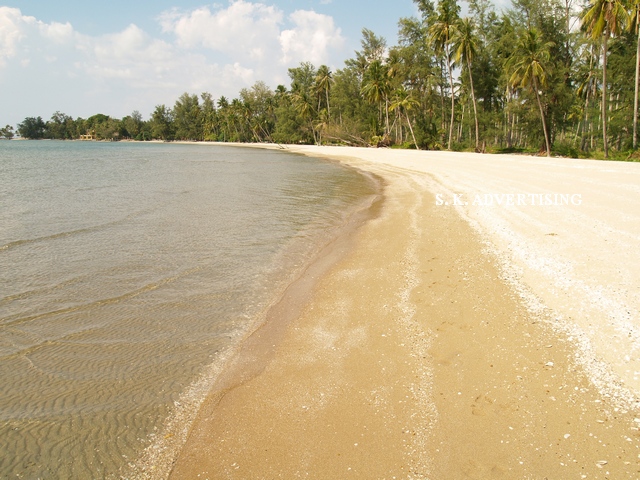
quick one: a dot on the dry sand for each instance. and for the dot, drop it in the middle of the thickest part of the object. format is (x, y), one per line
(453, 341)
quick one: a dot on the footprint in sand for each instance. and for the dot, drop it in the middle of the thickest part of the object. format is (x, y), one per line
(473, 469)
(484, 404)
(480, 406)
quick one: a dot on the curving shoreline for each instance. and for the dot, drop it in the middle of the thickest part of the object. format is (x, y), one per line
(453, 341)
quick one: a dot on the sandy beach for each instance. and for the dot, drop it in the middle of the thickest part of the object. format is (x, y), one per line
(483, 323)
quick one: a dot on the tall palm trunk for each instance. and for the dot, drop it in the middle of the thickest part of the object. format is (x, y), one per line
(544, 123)
(635, 98)
(587, 125)
(326, 92)
(475, 111)
(604, 93)
(412, 134)
(453, 104)
(585, 131)
(386, 112)
(509, 120)
(441, 85)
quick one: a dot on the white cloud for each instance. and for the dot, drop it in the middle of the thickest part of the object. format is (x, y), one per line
(25, 37)
(238, 71)
(149, 63)
(13, 27)
(57, 32)
(256, 32)
(312, 38)
(243, 30)
(131, 53)
(112, 73)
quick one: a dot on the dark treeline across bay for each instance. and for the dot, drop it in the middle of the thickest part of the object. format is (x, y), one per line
(544, 76)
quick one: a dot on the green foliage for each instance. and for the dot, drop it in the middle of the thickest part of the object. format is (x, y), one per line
(133, 126)
(32, 128)
(187, 118)
(60, 127)
(7, 132)
(564, 149)
(162, 126)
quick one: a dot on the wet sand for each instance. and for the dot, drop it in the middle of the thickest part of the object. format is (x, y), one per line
(433, 347)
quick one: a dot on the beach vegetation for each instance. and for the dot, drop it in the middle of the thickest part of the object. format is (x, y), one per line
(32, 128)
(7, 132)
(162, 125)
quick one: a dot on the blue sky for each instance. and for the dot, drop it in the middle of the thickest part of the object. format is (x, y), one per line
(83, 58)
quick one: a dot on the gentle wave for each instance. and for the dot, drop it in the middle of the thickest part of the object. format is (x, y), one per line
(8, 322)
(42, 291)
(79, 231)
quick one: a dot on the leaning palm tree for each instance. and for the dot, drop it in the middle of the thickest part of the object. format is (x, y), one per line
(528, 64)
(465, 44)
(403, 101)
(440, 34)
(604, 18)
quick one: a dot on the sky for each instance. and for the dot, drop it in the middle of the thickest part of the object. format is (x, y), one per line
(83, 58)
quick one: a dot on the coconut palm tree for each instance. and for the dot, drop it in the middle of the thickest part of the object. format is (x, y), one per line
(403, 101)
(324, 79)
(587, 88)
(322, 124)
(465, 45)
(302, 103)
(440, 34)
(236, 109)
(223, 110)
(604, 18)
(376, 89)
(528, 64)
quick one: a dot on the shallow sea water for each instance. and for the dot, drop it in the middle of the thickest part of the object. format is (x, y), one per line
(126, 270)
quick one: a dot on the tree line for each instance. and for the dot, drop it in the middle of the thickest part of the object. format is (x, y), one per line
(544, 76)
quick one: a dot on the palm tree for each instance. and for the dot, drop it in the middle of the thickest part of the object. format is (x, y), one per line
(376, 88)
(465, 44)
(324, 80)
(440, 34)
(322, 124)
(394, 64)
(587, 88)
(528, 63)
(236, 109)
(604, 18)
(303, 105)
(403, 101)
(223, 109)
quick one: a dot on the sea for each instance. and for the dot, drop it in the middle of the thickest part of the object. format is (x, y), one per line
(128, 270)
